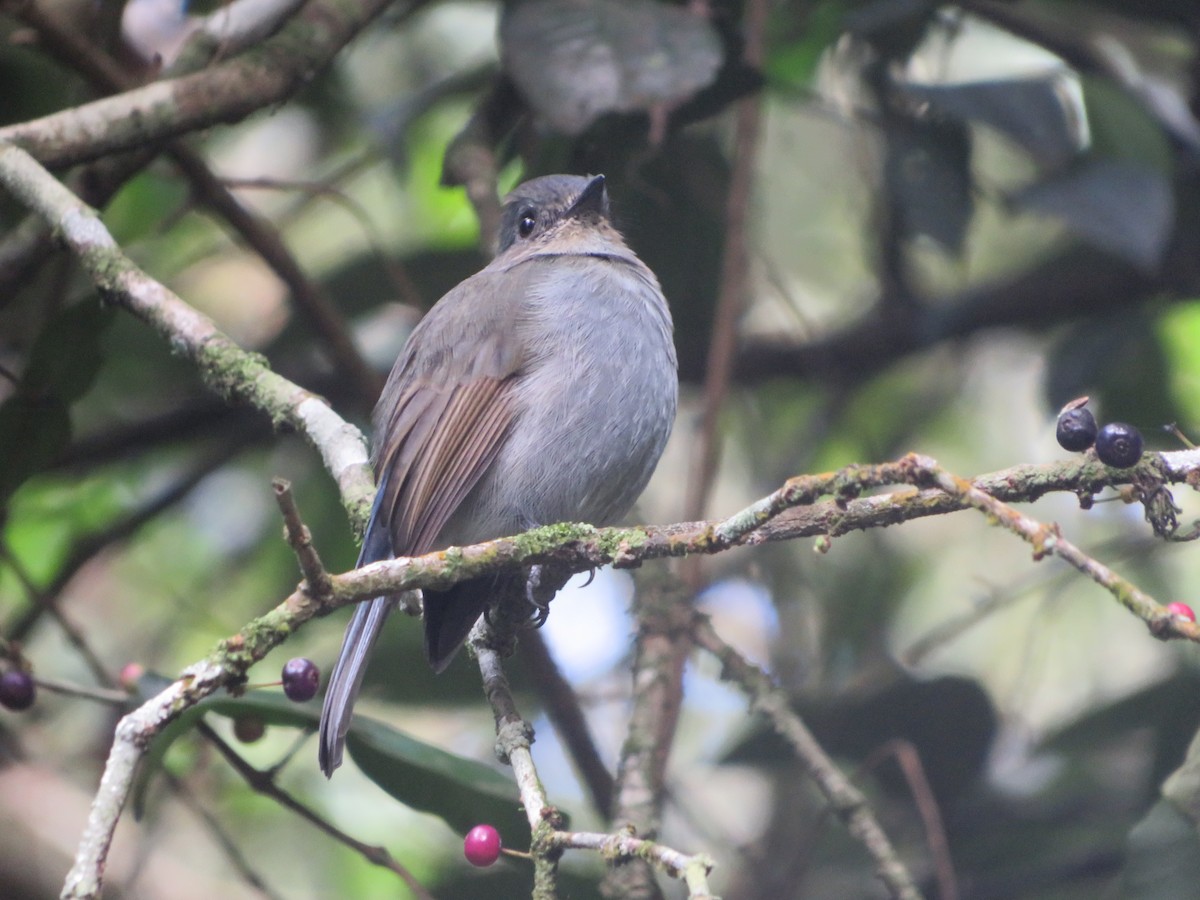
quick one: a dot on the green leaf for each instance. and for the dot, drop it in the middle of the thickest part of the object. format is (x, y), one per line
(794, 64)
(33, 432)
(1122, 128)
(272, 708)
(67, 354)
(461, 791)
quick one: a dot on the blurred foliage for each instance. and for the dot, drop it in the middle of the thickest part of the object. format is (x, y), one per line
(960, 218)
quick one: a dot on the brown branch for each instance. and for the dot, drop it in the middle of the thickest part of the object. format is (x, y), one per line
(299, 538)
(660, 646)
(909, 761)
(1076, 282)
(734, 288)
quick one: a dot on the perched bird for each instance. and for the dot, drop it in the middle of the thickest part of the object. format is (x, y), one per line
(577, 60)
(542, 389)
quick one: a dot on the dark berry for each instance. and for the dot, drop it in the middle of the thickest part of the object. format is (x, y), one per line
(1076, 430)
(249, 728)
(482, 845)
(1119, 445)
(1182, 610)
(17, 690)
(301, 678)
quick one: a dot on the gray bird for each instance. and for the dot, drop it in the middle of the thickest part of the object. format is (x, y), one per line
(576, 60)
(542, 389)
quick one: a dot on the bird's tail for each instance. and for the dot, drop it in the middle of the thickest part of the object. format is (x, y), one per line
(347, 678)
(347, 675)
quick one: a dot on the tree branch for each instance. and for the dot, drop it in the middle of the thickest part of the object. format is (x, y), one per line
(845, 799)
(224, 367)
(228, 92)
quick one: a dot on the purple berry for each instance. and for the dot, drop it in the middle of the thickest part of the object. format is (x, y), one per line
(301, 678)
(1076, 429)
(482, 845)
(1119, 445)
(17, 691)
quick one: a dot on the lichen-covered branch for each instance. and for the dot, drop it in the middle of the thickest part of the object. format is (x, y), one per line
(225, 367)
(226, 92)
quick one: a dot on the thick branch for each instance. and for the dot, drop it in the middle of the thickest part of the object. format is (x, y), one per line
(579, 548)
(224, 367)
(227, 92)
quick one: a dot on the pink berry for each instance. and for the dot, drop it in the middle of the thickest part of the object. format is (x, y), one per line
(482, 845)
(131, 673)
(301, 678)
(1182, 610)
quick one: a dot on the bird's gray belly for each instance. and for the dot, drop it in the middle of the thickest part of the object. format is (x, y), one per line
(579, 454)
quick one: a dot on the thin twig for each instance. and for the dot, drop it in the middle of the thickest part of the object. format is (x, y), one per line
(846, 800)
(87, 692)
(45, 602)
(87, 547)
(299, 538)
(1048, 539)
(264, 783)
(909, 760)
(224, 840)
(514, 740)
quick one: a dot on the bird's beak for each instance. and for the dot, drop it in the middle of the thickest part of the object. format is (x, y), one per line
(592, 199)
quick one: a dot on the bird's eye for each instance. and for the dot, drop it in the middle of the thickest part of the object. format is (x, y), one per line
(526, 223)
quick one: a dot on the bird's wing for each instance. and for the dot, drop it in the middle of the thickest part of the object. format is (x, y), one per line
(448, 405)
(449, 435)
(445, 411)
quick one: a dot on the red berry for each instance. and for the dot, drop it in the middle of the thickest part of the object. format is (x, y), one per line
(301, 678)
(1182, 610)
(482, 845)
(17, 691)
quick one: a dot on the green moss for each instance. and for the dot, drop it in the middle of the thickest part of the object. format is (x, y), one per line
(551, 537)
(614, 541)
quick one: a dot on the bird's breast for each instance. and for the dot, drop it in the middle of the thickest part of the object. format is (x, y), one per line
(595, 402)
